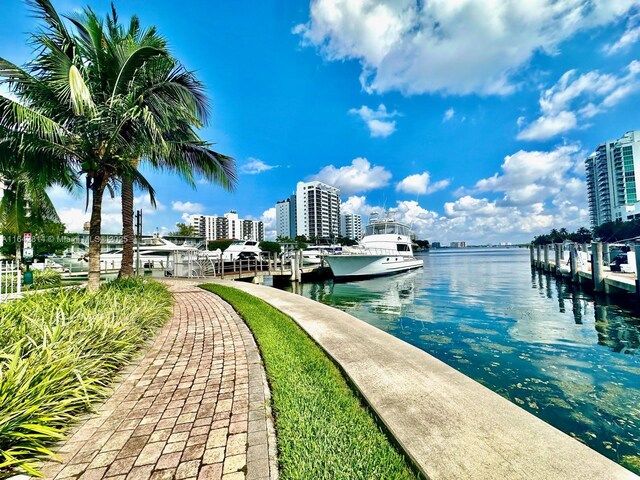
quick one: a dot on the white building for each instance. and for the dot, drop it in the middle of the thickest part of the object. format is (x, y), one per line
(317, 210)
(351, 226)
(286, 218)
(613, 173)
(229, 226)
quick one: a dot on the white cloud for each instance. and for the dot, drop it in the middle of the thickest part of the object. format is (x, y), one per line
(187, 207)
(268, 217)
(630, 36)
(448, 115)
(4, 91)
(461, 47)
(255, 166)
(360, 176)
(378, 121)
(356, 205)
(420, 184)
(574, 99)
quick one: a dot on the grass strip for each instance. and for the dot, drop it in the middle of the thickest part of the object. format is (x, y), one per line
(324, 431)
(59, 351)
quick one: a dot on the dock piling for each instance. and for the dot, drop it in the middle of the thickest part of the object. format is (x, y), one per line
(573, 256)
(546, 267)
(605, 253)
(598, 273)
(538, 264)
(558, 258)
(531, 256)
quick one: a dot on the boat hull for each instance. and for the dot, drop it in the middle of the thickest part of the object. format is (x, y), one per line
(367, 266)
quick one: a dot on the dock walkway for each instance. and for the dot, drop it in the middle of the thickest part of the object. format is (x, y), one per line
(451, 426)
(195, 406)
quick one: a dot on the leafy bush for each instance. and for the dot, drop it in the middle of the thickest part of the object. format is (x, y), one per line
(58, 352)
(43, 278)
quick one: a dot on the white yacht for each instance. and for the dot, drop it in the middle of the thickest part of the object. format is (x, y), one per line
(314, 254)
(385, 249)
(242, 249)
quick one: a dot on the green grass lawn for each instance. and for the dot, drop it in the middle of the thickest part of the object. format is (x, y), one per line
(59, 351)
(323, 429)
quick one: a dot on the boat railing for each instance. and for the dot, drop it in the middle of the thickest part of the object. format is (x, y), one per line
(370, 251)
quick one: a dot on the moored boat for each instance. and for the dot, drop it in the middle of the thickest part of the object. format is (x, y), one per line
(385, 249)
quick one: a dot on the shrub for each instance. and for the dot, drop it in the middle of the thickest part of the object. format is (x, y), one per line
(58, 353)
(42, 278)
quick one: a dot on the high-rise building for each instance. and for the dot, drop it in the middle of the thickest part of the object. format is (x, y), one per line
(351, 226)
(612, 176)
(229, 226)
(286, 217)
(317, 210)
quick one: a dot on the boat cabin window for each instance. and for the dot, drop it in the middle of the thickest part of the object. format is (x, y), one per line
(388, 228)
(403, 247)
(251, 244)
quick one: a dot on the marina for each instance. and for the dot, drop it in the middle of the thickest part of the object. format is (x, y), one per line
(548, 347)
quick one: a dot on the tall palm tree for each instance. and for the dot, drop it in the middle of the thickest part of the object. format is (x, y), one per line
(80, 109)
(172, 103)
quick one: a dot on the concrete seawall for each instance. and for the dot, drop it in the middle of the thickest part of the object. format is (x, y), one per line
(451, 426)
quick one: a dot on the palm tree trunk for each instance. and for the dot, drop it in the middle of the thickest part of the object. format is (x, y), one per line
(97, 192)
(126, 268)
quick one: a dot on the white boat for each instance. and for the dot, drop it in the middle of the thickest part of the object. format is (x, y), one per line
(241, 249)
(385, 249)
(314, 254)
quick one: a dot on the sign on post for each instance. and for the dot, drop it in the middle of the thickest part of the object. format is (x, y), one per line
(27, 248)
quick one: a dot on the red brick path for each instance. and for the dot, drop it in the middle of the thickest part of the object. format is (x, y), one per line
(195, 406)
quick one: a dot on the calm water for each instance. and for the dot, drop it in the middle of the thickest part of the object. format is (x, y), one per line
(532, 339)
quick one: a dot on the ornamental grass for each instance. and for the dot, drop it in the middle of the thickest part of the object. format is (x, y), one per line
(59, 351)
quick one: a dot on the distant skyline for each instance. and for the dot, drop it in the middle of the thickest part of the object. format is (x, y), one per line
(471, 118)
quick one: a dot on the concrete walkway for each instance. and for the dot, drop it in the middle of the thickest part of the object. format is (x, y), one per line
(451, 426)
(196, 405)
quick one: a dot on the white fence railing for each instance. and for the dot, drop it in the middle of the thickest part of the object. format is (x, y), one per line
(10, 281)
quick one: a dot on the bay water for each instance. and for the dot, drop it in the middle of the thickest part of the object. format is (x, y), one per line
(550, 348)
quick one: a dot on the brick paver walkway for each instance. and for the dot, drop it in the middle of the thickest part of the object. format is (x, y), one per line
(196, 405)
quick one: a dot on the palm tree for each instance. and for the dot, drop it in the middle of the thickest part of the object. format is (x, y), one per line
(25, 205)
(79, 110)
(171, 103)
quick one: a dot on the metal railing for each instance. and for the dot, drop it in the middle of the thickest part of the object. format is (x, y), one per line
(10, 281)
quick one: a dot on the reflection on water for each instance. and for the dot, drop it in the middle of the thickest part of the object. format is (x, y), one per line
(533, 339)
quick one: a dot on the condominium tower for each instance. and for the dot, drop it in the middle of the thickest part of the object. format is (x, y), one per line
(612, 175)
(286, 217)
(229, 226)
(351, 226)
(317, 210)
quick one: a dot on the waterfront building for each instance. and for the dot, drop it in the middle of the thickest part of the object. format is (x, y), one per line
(228, 226)
(317, 210)
(436, 245)
(351, 226)
(286, 217)
(612, 177)
(458, 244)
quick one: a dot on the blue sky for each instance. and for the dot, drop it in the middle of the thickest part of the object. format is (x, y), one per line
(471, 118)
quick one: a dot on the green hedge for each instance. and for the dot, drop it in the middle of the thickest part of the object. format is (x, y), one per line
(58, 353)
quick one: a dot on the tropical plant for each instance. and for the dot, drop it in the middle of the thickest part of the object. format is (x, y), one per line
(183, 230)
(58, 353)
(96, 101)
(271, 247)
(25, 205)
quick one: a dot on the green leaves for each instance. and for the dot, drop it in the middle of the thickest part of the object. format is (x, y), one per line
(58, 353)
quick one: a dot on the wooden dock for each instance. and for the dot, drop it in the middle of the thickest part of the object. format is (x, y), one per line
(594, 275)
